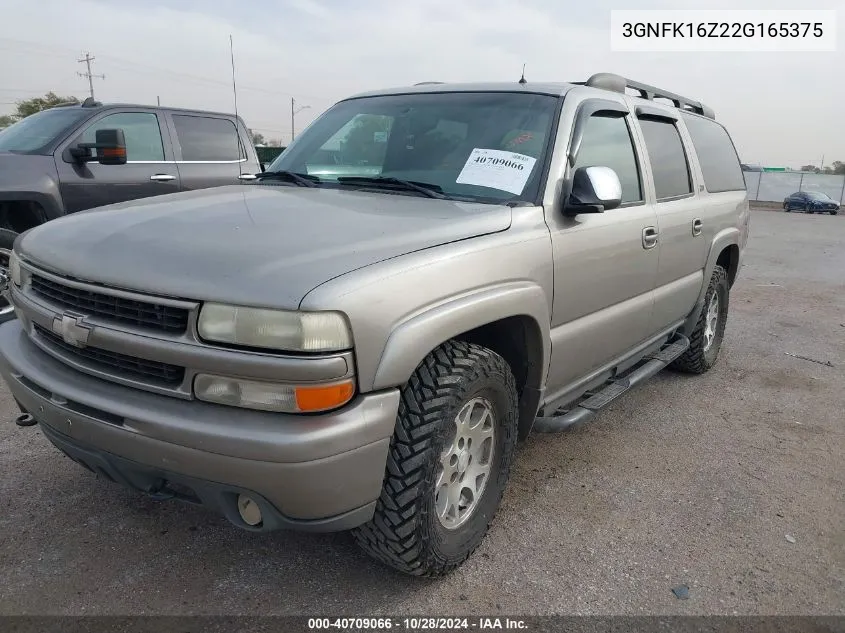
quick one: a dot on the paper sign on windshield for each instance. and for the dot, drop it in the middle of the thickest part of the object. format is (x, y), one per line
(494, 168)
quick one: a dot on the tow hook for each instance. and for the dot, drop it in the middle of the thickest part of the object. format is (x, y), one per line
(25, 419)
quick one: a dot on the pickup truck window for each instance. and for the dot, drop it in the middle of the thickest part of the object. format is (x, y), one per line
(37, 132)
(716, 155)
(207, 139)
(141, 130)
(668, 158)
(427, 138)
(607, 142)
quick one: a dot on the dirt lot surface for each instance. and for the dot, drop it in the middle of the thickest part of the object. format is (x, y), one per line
(732, 483)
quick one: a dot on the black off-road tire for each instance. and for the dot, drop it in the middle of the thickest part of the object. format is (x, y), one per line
(696, 360)
(7, 240)
(405, 532)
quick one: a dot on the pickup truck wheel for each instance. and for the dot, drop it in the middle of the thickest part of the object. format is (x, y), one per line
(706, 339)
(448, 463)
(7, 241)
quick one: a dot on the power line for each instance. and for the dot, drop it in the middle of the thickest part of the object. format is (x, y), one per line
(87, 61)
(146, 68)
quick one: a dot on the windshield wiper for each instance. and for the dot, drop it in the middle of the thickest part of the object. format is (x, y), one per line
(302, 180)
(427, 189)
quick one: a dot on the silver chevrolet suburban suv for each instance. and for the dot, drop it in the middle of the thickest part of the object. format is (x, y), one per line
(358, 339)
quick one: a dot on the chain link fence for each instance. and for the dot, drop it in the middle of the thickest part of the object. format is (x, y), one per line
(774, 186)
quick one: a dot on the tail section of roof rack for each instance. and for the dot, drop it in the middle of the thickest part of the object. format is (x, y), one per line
(429, 83)
(617, 83)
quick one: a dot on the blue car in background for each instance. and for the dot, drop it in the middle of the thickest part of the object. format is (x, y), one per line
(811, 202)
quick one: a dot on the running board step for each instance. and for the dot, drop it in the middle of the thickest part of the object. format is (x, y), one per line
(587, 409)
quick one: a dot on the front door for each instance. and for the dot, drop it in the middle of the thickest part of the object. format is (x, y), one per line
(605, 264)
(149, 169)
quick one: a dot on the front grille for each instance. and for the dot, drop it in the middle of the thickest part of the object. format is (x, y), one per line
(138, 313)
(149, 371)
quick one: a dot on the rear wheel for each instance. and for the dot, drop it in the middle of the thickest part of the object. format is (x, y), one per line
(706, 338)
(448, 462)
(7, 240)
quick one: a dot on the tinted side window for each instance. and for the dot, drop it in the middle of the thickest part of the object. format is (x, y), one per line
(207, 139)
(607, 142)
(668, 158)
(716, 154)
(140, 129)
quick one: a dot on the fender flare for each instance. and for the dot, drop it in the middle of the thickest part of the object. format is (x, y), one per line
(723, 239)
(52, 209)
(412, 339)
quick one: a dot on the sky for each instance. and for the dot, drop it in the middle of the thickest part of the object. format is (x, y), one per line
(782, 109)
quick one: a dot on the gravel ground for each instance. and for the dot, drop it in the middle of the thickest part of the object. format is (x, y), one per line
(703, 481)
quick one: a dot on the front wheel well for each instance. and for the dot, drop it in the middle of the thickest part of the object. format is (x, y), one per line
(519, 340)
(21, 215)
(729, 260)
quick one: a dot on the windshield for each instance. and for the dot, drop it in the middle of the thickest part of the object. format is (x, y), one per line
(814, 195)
(37, 131)
(479, 146)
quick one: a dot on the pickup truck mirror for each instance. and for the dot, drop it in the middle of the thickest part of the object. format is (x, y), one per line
(595, 189)
(110, 145)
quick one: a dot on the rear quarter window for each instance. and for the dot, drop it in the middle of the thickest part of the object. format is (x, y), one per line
(716, 154)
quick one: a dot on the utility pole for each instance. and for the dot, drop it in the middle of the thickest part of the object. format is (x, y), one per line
(87, 61)
(293, 111)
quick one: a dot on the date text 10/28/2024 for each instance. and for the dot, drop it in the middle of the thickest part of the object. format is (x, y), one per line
(416, 624)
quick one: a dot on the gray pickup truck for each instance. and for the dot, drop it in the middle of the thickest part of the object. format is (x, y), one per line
(76, 157)
(358, 339)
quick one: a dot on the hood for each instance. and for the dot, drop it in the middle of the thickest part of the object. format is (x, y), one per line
(258, 245)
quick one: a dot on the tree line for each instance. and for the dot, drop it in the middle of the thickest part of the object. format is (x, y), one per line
(837, 168)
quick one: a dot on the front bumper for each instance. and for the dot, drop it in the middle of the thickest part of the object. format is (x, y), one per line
(319, 473)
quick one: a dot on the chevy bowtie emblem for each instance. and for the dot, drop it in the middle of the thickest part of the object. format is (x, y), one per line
(72, 329)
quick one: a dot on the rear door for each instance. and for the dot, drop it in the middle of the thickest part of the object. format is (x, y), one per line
(682, 243)
(209, 151)
(149, 170)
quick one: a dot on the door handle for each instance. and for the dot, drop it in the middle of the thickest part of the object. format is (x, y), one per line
(247, 177)
(649, 237)
(162, 177)
(696, 226)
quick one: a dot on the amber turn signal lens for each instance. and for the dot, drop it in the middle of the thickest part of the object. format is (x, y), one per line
(324, 397)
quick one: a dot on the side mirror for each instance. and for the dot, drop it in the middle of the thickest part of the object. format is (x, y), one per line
(110, 145)
(594, 190)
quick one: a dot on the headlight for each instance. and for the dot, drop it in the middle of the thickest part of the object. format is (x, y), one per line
(275, 329)
(15, 268)
(268, 396)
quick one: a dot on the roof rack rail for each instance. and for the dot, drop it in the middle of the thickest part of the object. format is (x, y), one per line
(429, 83)
(618, 83)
